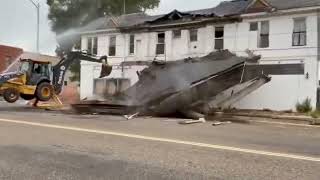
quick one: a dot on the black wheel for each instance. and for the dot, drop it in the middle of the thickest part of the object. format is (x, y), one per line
(44, 91)
(27, 97)
(11, 95)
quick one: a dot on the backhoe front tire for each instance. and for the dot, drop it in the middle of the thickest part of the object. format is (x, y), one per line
(11, 95)
(44, 91)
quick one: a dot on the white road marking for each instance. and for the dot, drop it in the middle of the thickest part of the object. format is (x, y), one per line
(212, 146)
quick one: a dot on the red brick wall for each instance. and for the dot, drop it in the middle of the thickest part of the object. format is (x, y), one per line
(8, 54)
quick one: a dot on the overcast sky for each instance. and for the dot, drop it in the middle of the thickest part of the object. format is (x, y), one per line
(18, 21)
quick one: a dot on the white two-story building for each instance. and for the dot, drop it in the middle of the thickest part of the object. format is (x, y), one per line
(282, 31)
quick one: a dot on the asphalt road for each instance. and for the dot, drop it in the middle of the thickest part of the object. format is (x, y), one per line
(39, 145)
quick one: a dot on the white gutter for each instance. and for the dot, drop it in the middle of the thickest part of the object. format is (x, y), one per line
(98, 31)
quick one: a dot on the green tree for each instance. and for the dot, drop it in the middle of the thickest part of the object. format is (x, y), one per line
(66, 15)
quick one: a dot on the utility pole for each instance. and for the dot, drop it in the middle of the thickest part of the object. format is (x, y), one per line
(37, 6)
(124, 6)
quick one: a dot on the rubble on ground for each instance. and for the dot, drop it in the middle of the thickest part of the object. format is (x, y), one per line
(188, 87)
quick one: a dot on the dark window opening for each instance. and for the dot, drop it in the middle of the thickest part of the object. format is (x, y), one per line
(89, 48)
(161, 38)
(193, 35)
(264, 35)
(131, 48)
(254, 26)
(112, 46)
(176, 33)
(219, 36)
(95, 46)
(264, 41)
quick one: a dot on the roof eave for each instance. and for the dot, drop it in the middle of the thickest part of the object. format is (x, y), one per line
(98, 31)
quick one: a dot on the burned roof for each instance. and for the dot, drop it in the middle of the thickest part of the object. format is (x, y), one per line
(176, 16)
(224, 10)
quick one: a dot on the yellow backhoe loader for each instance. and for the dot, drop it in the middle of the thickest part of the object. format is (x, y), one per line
(41, 80)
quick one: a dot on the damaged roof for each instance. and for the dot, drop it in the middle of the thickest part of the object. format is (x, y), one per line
(234, 7)
(224, 10)
(290, 4)
(228, 8)
(134, 19)
(97, 24)
(176, 17)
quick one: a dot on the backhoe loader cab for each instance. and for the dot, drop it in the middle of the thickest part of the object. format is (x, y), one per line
(36, 71)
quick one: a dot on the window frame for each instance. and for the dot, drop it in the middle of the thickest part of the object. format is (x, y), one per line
(112, 46)
(299, 33)
(264, 35)
(132, 44)
(95, 46)
(89, 45)
(92, 45)
(193, 35)
(161, 45)
(220, 38)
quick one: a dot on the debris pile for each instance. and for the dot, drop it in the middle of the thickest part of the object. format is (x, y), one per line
(190, 87)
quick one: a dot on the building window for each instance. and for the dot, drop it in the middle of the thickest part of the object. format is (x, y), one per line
(299, 37)
(193, 35)
(89, 46)
(176, 34)
(161, 44)
(95, 46)
(264, 35)
(112, 45)
(92, 45)
(219, 35)
(254, 26)
(131, 44)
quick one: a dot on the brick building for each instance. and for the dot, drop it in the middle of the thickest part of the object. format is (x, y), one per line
(8, 55)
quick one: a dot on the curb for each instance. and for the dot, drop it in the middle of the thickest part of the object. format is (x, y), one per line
(275, 118)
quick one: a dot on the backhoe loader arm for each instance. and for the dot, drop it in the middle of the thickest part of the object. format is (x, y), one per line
(59, 70)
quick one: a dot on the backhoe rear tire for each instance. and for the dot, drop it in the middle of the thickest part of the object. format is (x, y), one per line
(11, 95)
(44, 91)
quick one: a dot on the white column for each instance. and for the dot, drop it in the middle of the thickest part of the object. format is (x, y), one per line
(86, 80)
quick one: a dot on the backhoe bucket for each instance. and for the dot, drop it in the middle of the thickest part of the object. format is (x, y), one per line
(105, 70)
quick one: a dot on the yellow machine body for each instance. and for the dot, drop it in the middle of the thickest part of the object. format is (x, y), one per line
(19, 83)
